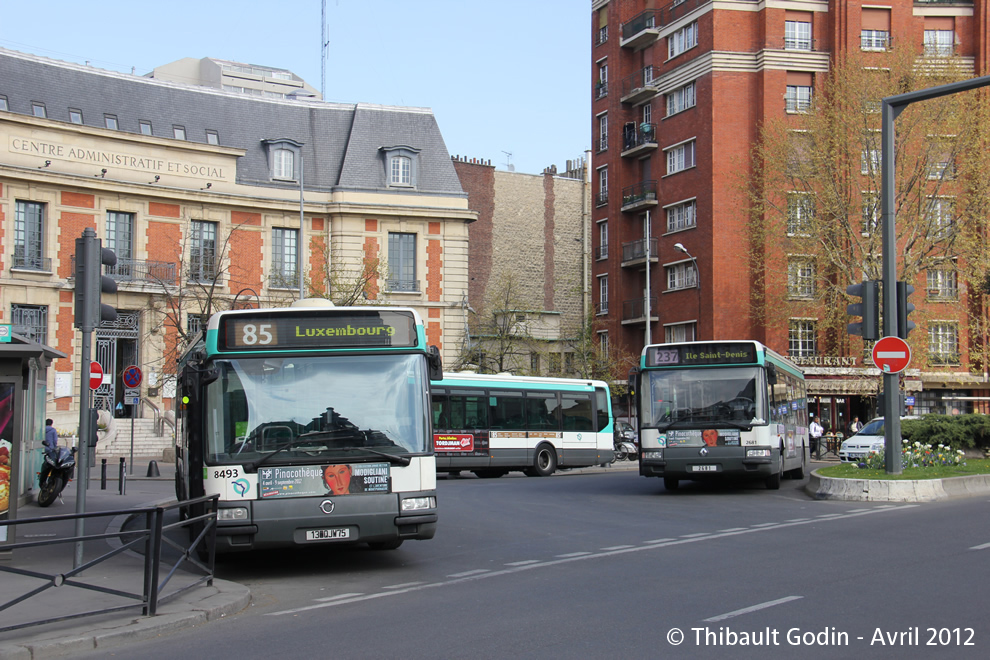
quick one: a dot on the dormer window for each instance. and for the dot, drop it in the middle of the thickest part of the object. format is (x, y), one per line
(401, 166)
(284, 158)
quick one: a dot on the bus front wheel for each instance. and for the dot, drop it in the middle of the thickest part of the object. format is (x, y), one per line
(385, 545)
(773, 481)
(544, 462)
(670, 483)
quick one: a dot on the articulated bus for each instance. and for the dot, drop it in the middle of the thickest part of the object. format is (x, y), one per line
(714, 409)
(493, 424)
(312, 424)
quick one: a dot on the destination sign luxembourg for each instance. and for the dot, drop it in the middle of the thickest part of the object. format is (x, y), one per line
(313, 330)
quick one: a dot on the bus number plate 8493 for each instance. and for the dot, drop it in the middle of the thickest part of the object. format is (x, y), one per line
(328, 534)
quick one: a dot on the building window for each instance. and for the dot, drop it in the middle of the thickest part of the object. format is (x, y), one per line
(284, 164)
(30, 321)
(603, 239)
(943, 284)
(602, 294)
(943, 342)
(603, 133)
(285, 244)
(647, 113)
(145, 127)
(800, 213)
(401, 166)
(679, 332)
(212, 137)
(602, 26)
(400, 170)
(940, 43)
(800, 277)
(797, 35)
(38, 110)
(874, 39)
(402, 262)
(602, 187)
(797, 98)
(871, 213)
(120, 230)
(870, 161)
(202, 251)
(682, 216)
(601, 87)
(29, 232)
(603, 345)
(110, 121)
(680, 158)
(196, 323)
(940, 217)
(681, 276)
(802, 338)
(179, 132)
(682, 40)
(75, 116)
(3, 103)
(875, 33)
(681, 99)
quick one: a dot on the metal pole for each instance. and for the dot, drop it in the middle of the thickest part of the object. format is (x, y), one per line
(302, 287)
(84, 432)
(649, 254)
(131, 464)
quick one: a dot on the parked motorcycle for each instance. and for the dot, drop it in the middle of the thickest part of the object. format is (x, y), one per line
(624, 443)
(58, 469)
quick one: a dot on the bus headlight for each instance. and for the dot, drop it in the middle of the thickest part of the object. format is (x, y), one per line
(655, 455)
(419, 503)
(239, 513)
(757, 453)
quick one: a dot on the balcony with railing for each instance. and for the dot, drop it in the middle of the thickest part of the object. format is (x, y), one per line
(601, 252)
(639, 196)
(601, 198)
(634, 311)
(641, 31)
(638, 87)
(638, 139)
(283, 279)
(634, 253)
(601, 89)
(139, 271)
(22, 261)
(602, 35)
(795, 43)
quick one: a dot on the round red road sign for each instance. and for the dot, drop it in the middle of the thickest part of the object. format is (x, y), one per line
(132, 376)
(891, 355)
(95, 375)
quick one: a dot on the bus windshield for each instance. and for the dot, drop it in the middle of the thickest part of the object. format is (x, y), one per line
(285, 410)
(682, 397)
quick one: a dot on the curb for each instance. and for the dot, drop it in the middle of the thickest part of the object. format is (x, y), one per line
(907, 490)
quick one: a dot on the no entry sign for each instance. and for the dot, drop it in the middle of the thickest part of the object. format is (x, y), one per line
(95, 375)
(891, 355)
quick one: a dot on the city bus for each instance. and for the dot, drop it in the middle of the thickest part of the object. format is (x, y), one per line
(717, 409)
(312, 424)
(491, 424)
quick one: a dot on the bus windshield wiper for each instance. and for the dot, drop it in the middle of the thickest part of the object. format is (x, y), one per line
(254, 465)
(392, 458)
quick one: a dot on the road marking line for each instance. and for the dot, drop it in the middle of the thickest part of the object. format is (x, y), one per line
(337, 597)
(617, 547)
(981, 547)
(524, 563)
(472, 576)
(754, 608)
(694, 536)
(731, 529)
(766, 524)
(573, 554)
(477, 571)
(402, 586)
(802, 519)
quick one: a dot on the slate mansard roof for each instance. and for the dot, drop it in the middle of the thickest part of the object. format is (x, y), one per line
(342, 141)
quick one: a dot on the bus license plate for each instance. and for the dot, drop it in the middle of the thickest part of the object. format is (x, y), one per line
(704, 468)
(328, 534)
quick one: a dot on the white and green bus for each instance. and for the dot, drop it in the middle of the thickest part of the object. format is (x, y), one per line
(491, 424)
(718, 409)
(312, 424)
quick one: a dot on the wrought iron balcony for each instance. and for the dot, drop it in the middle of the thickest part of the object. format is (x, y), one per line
(638, 139)
(601, 308)
(639, 196)
(403, 286)
(634, 252)
(281, 279)
(139, 270)
(30, 262)
(601, 252)
(601, 199)
(601, 89)
(602, 36)
(641, 31)
(634, 311)
(794, 43)
(637, 87)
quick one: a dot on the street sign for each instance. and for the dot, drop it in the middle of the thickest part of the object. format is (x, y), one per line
(95, 375)
(891, 355)
(132, 376)
(5, 333)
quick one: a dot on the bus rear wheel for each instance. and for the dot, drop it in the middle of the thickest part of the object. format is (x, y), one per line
(489, 473)
(544, 462)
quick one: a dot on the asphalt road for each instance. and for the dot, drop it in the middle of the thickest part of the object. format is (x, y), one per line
(602, 563)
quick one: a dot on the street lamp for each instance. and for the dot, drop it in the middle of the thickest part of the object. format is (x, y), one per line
(697, 282)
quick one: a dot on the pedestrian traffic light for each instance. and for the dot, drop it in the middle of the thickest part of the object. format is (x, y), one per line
(904, 326)
(91, 256)
(869, 309)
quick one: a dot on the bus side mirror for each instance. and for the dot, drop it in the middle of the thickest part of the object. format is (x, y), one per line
(633, 378)
(771, 374)
(435, 363)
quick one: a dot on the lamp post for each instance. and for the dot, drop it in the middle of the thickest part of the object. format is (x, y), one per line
(697, 283)
(649, 255)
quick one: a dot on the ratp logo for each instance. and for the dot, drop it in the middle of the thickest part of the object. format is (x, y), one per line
(240, 487)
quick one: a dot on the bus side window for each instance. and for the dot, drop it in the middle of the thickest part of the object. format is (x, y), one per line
(577, 412)
(601, 405)
(439, 409)
(475, 413)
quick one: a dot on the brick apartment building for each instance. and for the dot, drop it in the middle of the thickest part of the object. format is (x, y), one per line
(679, 91)
(198, 190)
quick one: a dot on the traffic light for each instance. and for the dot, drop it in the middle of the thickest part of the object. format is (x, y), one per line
(91, 256)
(903, 309)
(869, 309)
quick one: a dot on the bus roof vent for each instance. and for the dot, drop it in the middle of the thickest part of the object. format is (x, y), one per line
(313, 302)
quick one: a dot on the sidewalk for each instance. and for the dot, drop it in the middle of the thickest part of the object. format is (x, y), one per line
(123, 572)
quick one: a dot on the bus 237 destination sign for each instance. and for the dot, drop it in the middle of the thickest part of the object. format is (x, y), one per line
(701, 354)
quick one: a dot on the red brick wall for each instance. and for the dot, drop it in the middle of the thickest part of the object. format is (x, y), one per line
(65, 335)
(434, 332)
(79, 200)
(245, 257)
(478, 181)
(434, 270)
(164, 210)
(371, 257)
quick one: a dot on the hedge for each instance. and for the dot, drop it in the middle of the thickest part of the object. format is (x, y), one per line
(956, 431)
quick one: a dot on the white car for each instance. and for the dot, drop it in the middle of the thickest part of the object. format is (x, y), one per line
(870, 438)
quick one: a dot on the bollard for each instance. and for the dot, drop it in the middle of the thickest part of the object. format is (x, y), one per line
(153, 469)
(103, 474)
(122, 485)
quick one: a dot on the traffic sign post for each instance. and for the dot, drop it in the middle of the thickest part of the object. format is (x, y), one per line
(891, 355)
(132, 379)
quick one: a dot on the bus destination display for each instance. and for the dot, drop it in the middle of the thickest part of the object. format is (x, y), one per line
(312, 330)
(701, 354)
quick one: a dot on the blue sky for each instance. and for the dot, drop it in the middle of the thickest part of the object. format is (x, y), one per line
(500, 75)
